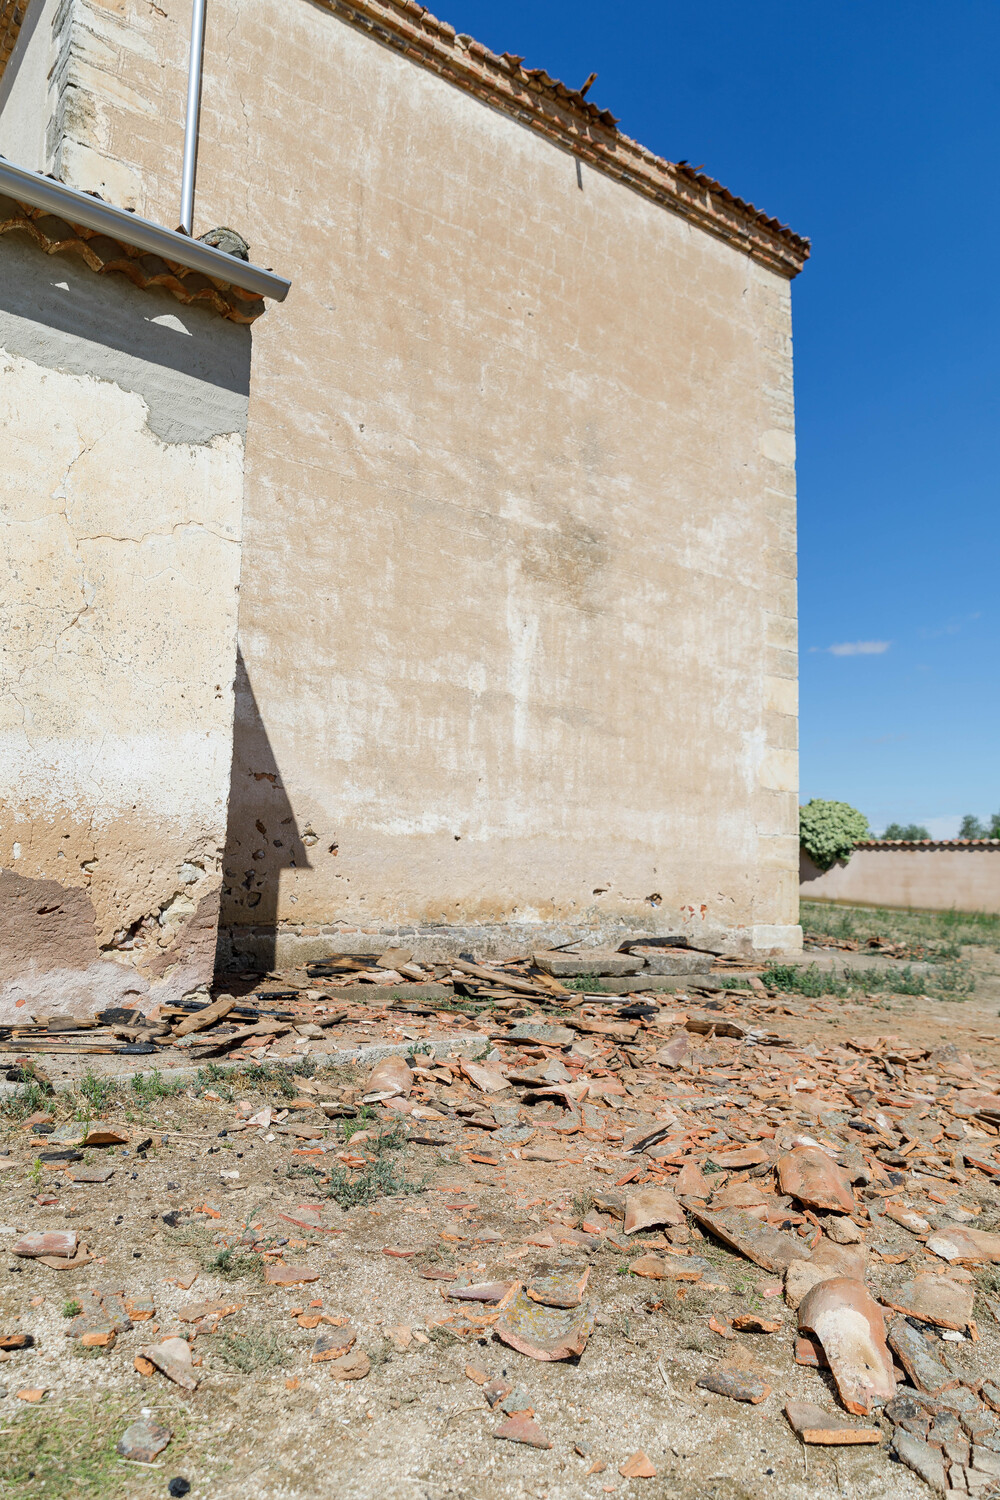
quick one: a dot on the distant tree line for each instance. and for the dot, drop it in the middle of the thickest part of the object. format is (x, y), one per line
(972, 828)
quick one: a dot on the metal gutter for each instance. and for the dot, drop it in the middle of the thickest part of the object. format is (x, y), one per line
(92, 213)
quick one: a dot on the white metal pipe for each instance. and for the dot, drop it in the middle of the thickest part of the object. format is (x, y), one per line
(191, 115)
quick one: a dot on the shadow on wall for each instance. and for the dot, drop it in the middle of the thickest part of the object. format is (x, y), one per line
(262, 839)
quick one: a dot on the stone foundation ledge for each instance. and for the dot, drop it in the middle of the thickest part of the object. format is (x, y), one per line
(259, 949)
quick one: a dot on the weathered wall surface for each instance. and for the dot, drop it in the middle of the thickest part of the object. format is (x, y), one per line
(935, 878)
(121, 487)
(519, 615)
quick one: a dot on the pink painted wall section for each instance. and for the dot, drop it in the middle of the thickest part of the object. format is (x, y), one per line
(935, 877)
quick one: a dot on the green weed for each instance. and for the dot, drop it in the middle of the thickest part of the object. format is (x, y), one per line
(383, 1177)
(26, 1100)
(361, 1121)
(258, 1349)
(99, 1093)
(235, 1264)
(148, 1087)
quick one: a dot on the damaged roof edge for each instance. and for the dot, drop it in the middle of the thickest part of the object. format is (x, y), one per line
(93, 213)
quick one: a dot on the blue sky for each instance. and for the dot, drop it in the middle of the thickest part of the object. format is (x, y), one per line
(872, 127)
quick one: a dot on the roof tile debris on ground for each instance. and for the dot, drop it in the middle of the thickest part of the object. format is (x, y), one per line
(794, 1204)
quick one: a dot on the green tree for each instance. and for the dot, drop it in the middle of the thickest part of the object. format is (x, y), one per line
(828, 831)
(910, 833)
(972, 828)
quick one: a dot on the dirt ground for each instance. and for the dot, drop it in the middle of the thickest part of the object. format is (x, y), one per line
(266, 1420)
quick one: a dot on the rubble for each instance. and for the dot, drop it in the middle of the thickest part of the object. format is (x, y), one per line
(569, 1172)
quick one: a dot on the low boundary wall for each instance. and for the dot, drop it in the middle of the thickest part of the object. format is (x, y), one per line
(934, 875)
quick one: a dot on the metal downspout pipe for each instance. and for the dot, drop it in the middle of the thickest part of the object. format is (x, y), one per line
(191, 116)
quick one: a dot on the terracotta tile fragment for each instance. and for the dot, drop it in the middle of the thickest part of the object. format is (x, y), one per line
(809, 1174)
(333, 1345)
(172, 1357)
(277, 1274)
(523, 1428)
(963, 1246)
(652, 1207)
(850, 1326)
(637, 1467)
(752, 1323)
(933, 1299)
(545, 1333)
(814, 1425)
(50, 1242)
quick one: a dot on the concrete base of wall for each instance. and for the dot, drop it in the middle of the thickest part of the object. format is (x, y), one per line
(260, 949)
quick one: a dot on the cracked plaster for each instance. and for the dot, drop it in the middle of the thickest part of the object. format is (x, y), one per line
(121, 493)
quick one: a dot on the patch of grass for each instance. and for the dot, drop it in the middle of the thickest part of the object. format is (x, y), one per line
(235, 1264)
(99, 1093)
(153, 1086)
(260, 1075)
(383, 1176)
(304, 1169)
(950, 982)
(932, 935)
(257, 1349)
(364, 1117)
(587, 984)
(71, 1308)
(26, 1100)
(67, 1451)
(583, 1202)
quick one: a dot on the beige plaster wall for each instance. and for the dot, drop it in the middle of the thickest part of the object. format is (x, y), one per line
(518, 613)
(931, 879)
(121, 489)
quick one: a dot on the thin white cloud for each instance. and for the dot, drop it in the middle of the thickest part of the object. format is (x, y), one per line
(857, 648)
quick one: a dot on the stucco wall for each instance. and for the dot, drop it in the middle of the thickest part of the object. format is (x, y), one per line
(121, 489)
(935, 878)
(519, 615)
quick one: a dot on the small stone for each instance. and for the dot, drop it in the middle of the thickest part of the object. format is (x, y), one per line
(143, 1440)
(517, 1401)
(353, 1366)
(843, 1231)
(738, 1385)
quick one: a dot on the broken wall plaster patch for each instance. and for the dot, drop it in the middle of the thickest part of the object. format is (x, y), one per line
(195, 389)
